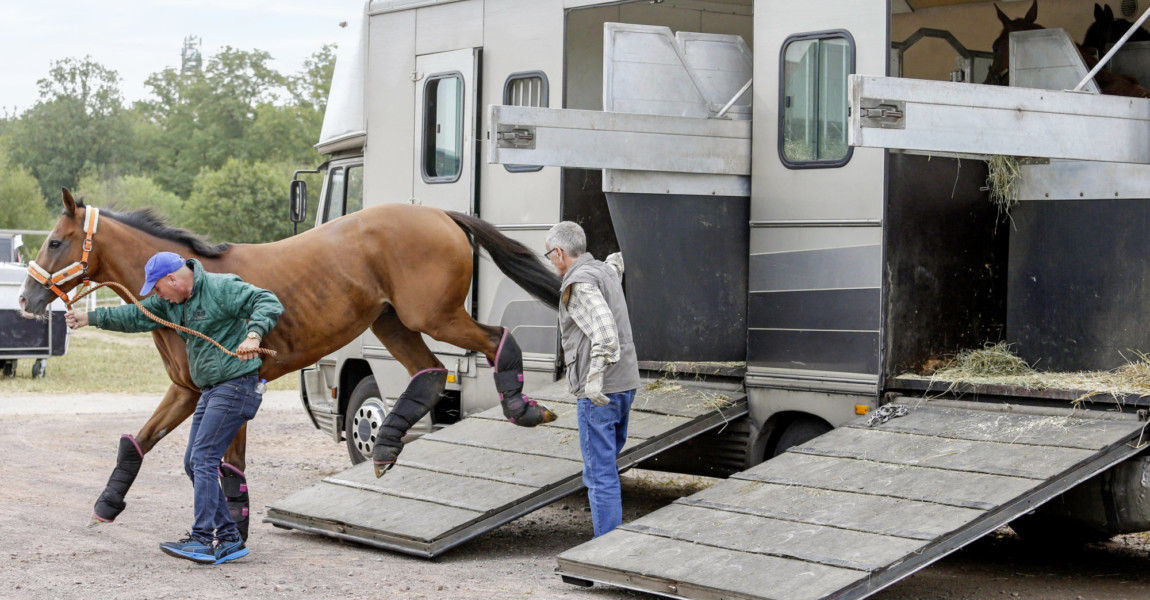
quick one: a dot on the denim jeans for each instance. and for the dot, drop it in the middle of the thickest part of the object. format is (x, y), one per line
(222, 409)
(602, 433)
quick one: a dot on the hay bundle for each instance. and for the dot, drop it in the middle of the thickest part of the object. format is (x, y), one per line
(1003, 176)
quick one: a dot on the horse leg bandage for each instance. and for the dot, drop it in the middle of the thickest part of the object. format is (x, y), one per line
(413, 404)
(111, 502)
(517, 407)
(236, 490)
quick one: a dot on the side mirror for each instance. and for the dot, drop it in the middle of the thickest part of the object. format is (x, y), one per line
(297, 205)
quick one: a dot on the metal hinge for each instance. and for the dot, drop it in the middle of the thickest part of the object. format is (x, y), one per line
(884, 114)
(511, 136)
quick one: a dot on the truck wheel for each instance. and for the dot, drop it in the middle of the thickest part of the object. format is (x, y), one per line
(9, 368)
(39, 368)
(365, 412)
(801, 430)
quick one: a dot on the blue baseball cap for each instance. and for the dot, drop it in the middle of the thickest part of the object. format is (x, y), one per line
(159, 266)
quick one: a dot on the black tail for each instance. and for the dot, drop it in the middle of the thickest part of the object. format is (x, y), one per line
(515, 260)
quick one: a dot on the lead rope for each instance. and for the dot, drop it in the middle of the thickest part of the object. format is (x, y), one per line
(885, 413)
(267, 351)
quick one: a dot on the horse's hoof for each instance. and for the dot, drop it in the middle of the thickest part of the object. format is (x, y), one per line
(96, 520)
(536, 414)
(382, 467)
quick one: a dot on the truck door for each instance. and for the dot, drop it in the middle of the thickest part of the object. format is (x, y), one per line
(445, 122)
(816, 203)
(446, 96)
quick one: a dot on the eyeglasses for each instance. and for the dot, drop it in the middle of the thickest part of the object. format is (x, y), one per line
(548, 253)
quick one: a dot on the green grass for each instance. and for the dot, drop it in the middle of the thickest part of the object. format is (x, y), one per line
(106, 361)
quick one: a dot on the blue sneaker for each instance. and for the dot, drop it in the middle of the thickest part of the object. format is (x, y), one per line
(191, 549)
(228, 550)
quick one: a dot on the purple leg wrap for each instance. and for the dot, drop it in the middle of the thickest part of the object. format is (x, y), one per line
(517, 407)
(235, 486)
(413, 404)
(111, 502)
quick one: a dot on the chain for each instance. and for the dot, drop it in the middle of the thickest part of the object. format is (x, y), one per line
(885, 413)
(267, 351)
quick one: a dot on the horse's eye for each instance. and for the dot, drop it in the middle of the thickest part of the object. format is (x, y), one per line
(54, 244)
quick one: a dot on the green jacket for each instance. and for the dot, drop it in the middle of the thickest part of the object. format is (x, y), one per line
(222, 307)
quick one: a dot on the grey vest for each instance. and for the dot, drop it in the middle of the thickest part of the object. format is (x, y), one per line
(620, 376)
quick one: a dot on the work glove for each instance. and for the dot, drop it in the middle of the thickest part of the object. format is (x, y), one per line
(594, 389)
(615, 259)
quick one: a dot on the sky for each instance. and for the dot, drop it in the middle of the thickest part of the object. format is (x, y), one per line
(136, 38)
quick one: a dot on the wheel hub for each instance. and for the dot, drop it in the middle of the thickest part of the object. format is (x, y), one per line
(365, 424)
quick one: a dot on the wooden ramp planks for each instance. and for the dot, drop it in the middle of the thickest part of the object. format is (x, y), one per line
(856, 509)
(460, 481)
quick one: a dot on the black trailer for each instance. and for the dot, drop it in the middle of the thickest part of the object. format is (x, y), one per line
(27, 339)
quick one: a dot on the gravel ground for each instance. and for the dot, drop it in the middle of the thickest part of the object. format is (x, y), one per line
(60, 450)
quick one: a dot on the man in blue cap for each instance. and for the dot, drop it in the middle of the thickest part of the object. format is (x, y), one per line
(237, 315)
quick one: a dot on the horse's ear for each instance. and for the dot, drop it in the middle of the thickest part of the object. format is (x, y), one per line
(1098, 12)
(1109, 14)
(1032, 14)
(1002, 16)
(69, 203)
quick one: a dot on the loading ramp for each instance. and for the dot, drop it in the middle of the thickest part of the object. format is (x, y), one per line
(858, 508)
(468, 478)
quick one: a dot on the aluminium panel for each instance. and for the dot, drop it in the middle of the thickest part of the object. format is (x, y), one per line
(600, 140)
(935, 480)
(941, 116)
(473, 476)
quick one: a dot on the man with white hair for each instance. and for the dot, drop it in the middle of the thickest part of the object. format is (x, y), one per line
(602, 370)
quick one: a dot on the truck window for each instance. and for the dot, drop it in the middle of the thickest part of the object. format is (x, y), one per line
(336, 188)
(525, 89)
(443, 128)
(813, 74)
(344, 192)
(354, 198)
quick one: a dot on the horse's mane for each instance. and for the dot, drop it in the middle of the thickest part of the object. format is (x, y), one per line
(148, 221)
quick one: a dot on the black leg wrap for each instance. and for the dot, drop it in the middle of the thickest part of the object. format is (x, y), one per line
(111, 502)
(236, 490)
(413, 404)
(517, 407)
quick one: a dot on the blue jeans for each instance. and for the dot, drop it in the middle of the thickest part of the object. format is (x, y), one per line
(222, 409)
(602, 433)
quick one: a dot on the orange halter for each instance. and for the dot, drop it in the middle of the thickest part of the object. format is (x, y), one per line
(51, 281)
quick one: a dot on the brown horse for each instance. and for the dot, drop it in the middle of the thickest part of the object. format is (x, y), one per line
(1109, 83)
(398, 269)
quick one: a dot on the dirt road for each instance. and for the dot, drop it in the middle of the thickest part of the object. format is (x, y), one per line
(59, 450)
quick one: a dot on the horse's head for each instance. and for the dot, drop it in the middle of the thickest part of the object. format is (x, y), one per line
(1106, 30)
(1099, 33)
(999, 73)
(64, 246)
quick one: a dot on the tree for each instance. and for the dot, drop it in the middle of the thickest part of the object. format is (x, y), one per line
(205, 116)
(22, 205)
(78, 122)
(241, 203)
(130, 192)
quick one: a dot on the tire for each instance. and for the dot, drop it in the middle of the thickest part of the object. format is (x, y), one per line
(366, 409)
(799, 431)
(9, 368)
(39, 368)
(365, 412)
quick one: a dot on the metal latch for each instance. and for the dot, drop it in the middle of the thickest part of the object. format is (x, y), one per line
(886, 114)
(511, 136)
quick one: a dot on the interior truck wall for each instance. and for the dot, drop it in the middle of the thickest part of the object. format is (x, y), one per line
(585, 36)
(976, 26)
(945, 262)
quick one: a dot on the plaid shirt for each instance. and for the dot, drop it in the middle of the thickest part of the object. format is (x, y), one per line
(589, 310)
